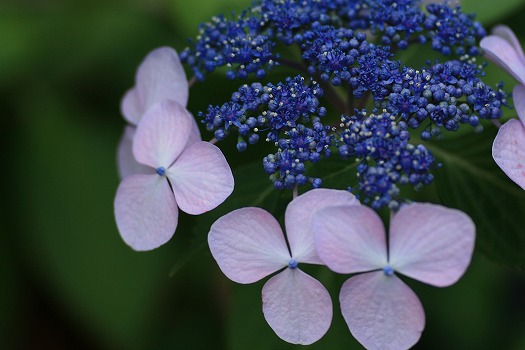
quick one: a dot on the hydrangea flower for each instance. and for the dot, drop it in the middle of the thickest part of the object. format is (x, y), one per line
(508, 149)
(159, 77)
(194, 178)
(504, 49)
(427, 242)
(248, 245)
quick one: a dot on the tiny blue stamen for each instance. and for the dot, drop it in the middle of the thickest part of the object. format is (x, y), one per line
(293, 263)
(388, 270)
(161, 170)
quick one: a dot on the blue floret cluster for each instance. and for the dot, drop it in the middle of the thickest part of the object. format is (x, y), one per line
(347, 65)
(255, 109)
(379, 143)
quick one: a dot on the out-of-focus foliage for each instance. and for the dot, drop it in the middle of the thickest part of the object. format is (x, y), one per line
(488, 12)
(68, 280)
(472, 182)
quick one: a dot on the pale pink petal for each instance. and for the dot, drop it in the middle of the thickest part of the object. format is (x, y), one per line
(518, 95)
(162, 134)
(160, 76)
(502, 53)
(381, 311)
(126, 162)
(431, 243)
(298, 220)
(350, 238)
(131, 107)
(297, 307)
(508, 150)
(201, 178)
(248, 244)
(145, 211)
(195, 134)
(506, 33)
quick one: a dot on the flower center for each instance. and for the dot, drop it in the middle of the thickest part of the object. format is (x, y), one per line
(161, 170)
(293, 263)
(388, 270)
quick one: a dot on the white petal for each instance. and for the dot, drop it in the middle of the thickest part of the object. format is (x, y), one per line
(381, 311)
(162, 134)
(298, 219)
(201, 178)
(297, 307)
(145, 211)
(159, 77)
(126, 162)
(350, 238)
(508, 150)
(248, 244)
(431, 243)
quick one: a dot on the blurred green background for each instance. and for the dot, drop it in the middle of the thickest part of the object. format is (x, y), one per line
(67, 279)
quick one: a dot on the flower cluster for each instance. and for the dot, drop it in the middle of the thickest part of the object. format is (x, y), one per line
(289, 19)
(271, 107)
(284, 112)
(396, 20)
(375, 105)
(298, 146)
(246, 44)
(231, 43)
(444, 95)
(448, 94)
(386, 158)
(450, 30)
(436, 98)
(331, 52)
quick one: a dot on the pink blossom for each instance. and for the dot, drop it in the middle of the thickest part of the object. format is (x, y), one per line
(248, 245)
(195, 178)
(504, 49)
(159, 77)
(508, 149)
(427, 242)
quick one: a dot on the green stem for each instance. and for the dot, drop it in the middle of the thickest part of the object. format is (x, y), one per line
(192, 81)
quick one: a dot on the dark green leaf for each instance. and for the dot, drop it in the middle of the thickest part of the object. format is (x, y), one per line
(471, 181)
(487, 11)
(335, 173)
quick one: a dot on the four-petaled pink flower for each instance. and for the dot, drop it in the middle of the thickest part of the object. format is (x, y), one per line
(159, 77)
(504, 49)
(508, 149)
(427, 242)
(248, 245)
(194, 178)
